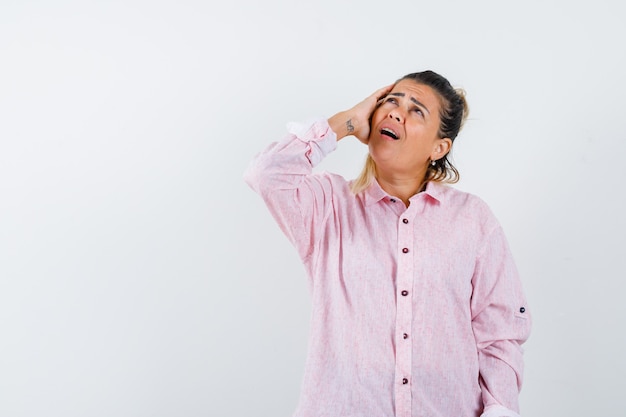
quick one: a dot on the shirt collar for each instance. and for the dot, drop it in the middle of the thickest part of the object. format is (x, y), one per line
(374, 193)
(436, 190)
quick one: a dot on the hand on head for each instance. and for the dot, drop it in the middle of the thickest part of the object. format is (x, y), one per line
(364, 110)
(356, 121)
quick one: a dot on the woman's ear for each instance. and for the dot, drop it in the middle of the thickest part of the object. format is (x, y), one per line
(442, 147)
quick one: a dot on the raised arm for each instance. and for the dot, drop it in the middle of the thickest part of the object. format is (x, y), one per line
(282, 173)
(356, 121)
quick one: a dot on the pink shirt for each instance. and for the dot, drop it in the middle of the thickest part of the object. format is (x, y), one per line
(416, 311)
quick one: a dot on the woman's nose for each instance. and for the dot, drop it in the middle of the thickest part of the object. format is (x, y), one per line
(396, 116)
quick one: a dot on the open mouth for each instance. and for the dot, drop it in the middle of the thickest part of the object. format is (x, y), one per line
(388, 132)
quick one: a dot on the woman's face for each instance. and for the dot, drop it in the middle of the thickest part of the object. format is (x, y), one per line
(403, 136)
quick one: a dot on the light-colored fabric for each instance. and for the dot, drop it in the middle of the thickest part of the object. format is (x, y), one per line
(416, 311)
(499, 411)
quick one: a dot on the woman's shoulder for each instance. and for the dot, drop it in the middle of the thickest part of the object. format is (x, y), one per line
(464, 201)
(333, 182)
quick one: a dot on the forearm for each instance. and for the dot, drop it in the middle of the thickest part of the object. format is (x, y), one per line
(282, 176)
(498, 411)
(343, 124)
(501, 373)
(501, 322)
(356, 121)
(284, 165)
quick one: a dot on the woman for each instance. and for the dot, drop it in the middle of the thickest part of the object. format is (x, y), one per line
(417, 308)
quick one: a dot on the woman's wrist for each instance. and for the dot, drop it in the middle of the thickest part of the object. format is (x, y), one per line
(342, 124)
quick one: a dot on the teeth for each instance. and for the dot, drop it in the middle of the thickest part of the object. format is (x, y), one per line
(390, 132)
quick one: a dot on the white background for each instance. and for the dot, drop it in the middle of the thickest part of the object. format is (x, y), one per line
(139, 276)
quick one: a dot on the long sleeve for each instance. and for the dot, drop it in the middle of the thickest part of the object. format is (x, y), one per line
(282, 175)
(391, 330)
(501, 323)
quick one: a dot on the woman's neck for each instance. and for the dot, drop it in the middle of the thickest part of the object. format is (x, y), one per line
(402, 187)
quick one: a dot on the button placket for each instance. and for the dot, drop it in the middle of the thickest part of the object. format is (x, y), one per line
(404, 310)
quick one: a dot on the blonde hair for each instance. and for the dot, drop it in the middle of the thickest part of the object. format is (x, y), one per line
(452, 117)
(365, 178)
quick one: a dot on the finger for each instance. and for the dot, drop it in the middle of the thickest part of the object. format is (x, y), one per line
(380, 95)
(382, 92)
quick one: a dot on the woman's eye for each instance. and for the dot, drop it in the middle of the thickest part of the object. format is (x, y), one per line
(390, 100)
(418, 111)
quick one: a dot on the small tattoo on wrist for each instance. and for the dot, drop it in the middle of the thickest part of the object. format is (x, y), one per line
(349, 126)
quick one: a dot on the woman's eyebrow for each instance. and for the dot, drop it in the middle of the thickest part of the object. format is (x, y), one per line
(412, 99)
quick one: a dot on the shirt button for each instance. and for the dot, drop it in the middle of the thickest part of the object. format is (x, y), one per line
(405, 221)
(404, 293)
(393, 200)
(405, 250)
(522, 310)
(405, 381)
(405, 336)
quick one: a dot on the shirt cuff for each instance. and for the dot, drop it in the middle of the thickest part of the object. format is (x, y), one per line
(498, 411)
(318, 135)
